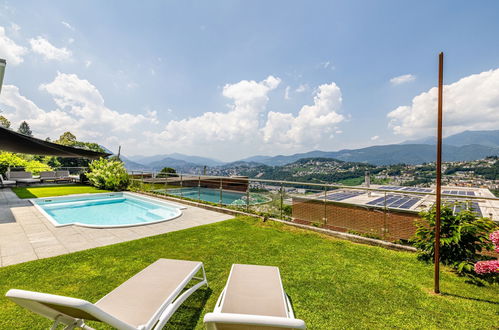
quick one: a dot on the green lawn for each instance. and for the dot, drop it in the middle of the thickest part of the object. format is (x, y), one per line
(332, 283)
(55, 190)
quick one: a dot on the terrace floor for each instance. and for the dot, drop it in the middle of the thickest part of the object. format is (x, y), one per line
(25, 234)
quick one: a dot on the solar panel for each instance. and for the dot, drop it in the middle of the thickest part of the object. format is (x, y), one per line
(459, 192)
(339, 196)
(409, 204)
(395, 201)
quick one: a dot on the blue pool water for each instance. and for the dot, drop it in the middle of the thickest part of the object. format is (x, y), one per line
(106, 210)
(213, 195)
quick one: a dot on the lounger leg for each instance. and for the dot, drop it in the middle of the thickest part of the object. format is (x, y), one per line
(204, 276)
(168, 312)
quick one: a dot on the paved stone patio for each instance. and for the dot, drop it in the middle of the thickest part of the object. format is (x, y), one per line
(25, 234)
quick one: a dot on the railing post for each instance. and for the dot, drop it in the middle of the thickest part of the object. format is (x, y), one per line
(181, 185)
(384, 218)
(325, 205)
(247, 196)
(282, 199)
(221, 188)
(199, 188)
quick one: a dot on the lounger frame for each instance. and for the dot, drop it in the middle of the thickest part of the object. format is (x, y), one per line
(35, 301)
(218, 317)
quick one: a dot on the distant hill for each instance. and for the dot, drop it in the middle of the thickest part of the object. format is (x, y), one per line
(133, 166)
(484, 138)
(197, 160)
(392, 154)
(181, 166)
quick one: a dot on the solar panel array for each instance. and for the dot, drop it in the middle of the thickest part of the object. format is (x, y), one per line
(341, 195)
(412, 189)
(396, 201)
(459, 192)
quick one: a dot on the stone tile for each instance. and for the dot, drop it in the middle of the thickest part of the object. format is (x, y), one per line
(51, 251)
(18, 258)
(28, 235)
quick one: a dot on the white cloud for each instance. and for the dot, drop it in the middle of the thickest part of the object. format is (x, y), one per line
(43, 47)
(239, 124)
(247, 125)
(327, 64)
(286, 93)
(402, 79)
(9, 50)
(80, 109)
(66, 24)
(313, 125)
(88, 63)
(71, 40)
(471, 103)
(374, 138)
(302, 88)
(15, 28)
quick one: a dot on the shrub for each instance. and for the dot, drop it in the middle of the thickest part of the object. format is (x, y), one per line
(462, 237)
(8, 159)
(108, 174)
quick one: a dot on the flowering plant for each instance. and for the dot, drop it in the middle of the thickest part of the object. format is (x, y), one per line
(489, 266)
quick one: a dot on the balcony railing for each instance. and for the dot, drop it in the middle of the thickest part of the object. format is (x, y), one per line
(382, 212)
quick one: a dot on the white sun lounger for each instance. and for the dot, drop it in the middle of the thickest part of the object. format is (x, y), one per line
(5, 183)
(253, 299)
(22, 177)
(145, 301)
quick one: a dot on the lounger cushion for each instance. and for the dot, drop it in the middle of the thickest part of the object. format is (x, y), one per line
(255, 290)
(19, 175)
(62, 174)
(27, 180)
(136, 300)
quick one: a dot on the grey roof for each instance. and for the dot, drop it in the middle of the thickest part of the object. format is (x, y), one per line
(17, 142)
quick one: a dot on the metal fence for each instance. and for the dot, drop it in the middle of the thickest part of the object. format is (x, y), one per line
(385, 212)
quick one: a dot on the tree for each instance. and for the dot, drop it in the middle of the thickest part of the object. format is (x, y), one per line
(67, 139)
(4, 122)
(168, 170)
(24, 129)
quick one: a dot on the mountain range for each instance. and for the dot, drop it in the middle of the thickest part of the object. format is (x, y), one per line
(465, 146)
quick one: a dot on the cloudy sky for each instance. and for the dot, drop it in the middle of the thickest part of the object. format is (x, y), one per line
(231, 79)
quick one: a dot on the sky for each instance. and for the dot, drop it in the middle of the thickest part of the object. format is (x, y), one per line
(233, 79)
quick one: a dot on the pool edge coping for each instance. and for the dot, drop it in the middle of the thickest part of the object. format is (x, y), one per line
(79, 224)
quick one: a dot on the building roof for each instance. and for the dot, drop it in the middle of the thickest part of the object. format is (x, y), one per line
(20, 143)
(414, 199)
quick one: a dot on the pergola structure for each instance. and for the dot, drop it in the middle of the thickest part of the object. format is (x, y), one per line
(20, 143)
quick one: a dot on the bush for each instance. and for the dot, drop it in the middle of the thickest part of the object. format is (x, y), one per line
(8, 159)
(167, 172)
(462, 237)
(108, 174)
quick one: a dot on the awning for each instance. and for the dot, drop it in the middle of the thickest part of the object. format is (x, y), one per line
(17, 142)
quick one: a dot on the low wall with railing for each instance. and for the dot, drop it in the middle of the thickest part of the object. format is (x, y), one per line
(365, 211)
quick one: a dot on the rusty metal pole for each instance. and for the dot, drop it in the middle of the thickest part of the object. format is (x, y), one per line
(439, 173)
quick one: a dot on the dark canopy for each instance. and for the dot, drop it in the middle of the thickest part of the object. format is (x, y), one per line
(17, 142)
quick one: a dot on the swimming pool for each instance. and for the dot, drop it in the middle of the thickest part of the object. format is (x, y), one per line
(213, 195)
(105, 210)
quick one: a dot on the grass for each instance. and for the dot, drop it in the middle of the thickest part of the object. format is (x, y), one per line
(332, 283)
(55, 190)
